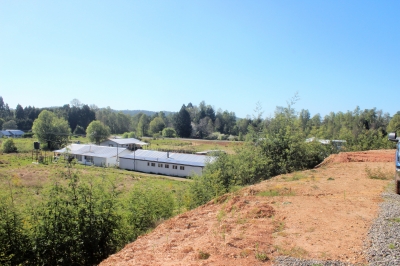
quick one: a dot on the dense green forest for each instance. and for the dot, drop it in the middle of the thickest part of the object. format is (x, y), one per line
(361, 129)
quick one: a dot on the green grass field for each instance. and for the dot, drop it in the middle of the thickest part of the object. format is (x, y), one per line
(18, 171)
(28, 179)
(192, 145)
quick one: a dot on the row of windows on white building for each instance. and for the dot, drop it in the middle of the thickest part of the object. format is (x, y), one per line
(166, 166)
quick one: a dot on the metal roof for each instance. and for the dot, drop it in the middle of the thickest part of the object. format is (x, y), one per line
(15, 131)
(5, 133)
(325, 141)
(169, 157)
(128, 141)
(92, 150)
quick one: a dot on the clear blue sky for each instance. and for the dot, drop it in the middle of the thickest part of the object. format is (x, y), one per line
(158, 55)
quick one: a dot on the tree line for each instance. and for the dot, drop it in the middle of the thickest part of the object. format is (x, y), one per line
(361, 129)
(277, 146)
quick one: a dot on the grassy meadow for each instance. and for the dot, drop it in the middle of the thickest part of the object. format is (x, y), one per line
(192, 145)
(28, 179)
(77, 214)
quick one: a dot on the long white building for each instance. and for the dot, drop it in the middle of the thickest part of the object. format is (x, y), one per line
(93, 154)
(165, 163)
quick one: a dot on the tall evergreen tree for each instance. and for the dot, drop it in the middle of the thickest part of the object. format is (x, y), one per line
(182, 123)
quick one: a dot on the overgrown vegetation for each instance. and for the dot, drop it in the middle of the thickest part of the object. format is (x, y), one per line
(8, 146)
(379, 173)
(279, 149)
(79, 217)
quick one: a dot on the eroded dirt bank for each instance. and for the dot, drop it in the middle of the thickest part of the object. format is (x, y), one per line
(324, 213)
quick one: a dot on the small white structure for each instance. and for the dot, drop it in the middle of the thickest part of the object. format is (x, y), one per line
(165, 163)
(93, 154)
(210, 152)
(129, 143)
(337, 143)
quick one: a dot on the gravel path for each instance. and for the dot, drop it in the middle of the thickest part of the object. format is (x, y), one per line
(382, 247)
(384, 233)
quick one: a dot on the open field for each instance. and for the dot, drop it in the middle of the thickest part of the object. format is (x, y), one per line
(190, 145)
(18, 168)
(29, 179)
(323, 213)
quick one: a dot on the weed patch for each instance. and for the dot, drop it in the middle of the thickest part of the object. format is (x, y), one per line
(203, 255)
(261, 256)
(295, 252)
(395, 220)
(276, 192)
(378, 173)
(279, 226)
(245, 253)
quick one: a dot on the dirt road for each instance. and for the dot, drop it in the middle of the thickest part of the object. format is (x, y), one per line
(323, 213)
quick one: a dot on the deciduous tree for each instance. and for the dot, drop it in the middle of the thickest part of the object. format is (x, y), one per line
(10, 125)
(156, 125)
(50, 129)
(97, 131)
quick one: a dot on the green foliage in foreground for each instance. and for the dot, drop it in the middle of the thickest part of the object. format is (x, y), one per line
(76, 221)
(9, 146)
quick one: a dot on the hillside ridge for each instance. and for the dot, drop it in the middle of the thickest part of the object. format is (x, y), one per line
(322, 213)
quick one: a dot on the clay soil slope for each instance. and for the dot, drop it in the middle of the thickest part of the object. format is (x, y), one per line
(323, 213)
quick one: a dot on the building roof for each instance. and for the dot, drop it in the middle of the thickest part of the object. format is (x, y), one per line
(5, 133)
(16, 132)
(169, 157)
(128, 141)
(91, 150)
(325, 141)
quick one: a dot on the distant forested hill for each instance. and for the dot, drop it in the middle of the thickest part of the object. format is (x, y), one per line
(134, 112)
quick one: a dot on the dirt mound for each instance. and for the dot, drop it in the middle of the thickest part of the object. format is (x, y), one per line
(364, 156)
(322, 213)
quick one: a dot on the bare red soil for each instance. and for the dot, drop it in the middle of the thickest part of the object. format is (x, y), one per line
(323, 213)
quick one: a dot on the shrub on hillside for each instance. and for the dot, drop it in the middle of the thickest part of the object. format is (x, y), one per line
(146, 207)
(9, 146)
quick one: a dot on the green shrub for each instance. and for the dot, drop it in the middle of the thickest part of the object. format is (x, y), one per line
(28, 135)
(146, 207)
(15, 247)
(9, 146)
(169, 132)
(77, 223)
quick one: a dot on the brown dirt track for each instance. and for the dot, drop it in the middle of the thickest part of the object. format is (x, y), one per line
(324, 213)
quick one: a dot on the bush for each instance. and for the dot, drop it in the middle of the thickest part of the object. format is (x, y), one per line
(15, 248)
(146, 206)
(28, 135)
(213, 136)
(77, 224)
(9, 146)
(168, 132)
